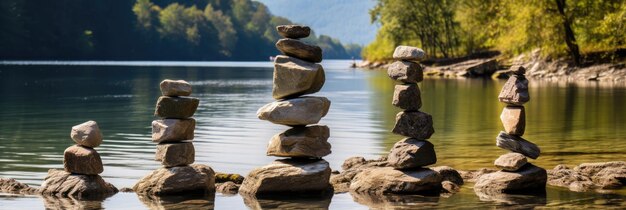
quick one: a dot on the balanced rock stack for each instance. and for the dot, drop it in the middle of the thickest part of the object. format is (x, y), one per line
(82, 165)
(296, 73)
(408, 156)
(174, 134)
(516, 175)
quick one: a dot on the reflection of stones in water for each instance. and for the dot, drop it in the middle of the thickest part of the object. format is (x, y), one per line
(288, 201)
(393, 201)
(179, 202)
(521, 201)
(53, 202)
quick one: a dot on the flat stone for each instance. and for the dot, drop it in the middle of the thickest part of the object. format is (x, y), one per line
(409, 53)
(418, 125)
(407, 97)
(412, 153)
(528, 178)
(175, 154)
(385, 180)
(517, 144)
(87, 134)
(288, 176)
(515, 91)
(191, 179)
(297, 111)
(298, 49)
(173, 130)
(65, 184)
(514, 120)
(82, 160)
(294, 77)
(293, 31)
(176, 107)
(511, 161)
(175, 88)
(311, 141)
(406, 71)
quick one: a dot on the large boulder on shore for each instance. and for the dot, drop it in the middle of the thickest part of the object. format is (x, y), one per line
(193, 179)
(293, 31)
(173, 130)
(297, 111)
(176, 107)
(412, 153)
(527, 179)
(387, 180)
(517, 144)
(87, 134)
(301, 50)
(82, 160)
(288, 176)
(175, 88)
(311, 141)
(62, 183)
(414, 124)
(294, 77)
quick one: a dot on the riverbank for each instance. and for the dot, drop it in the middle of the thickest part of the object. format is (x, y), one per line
(597, 68)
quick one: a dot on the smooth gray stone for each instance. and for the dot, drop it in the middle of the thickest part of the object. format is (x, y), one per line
(517, 144)
(406, 71)
(175, 88)
(173, 130)
(175, 154)
(407, 97)
(176, 107)
(412, 153)
(527, 179)
(511, 161)
(418, 125)
(294, 77)
(387, 180)
(409, 53)
(87, 134)
(301, 50)
(288, 176)
(310, 141)
(296, 111)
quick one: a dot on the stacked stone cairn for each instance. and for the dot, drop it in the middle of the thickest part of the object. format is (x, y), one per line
(82, 165)
(296, 73)
(516, 175)
(408, 157)
(174, 133)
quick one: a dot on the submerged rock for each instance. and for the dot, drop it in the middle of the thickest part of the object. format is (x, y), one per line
(297, 111)
(610, 178)
(176, 107)
(563, 176)
(180, 202)
(288, 176)
(527, 179)
(407, 97)
(175, 88)
(227, 188)
(62, 183)
(387, 180)
(514, 120)
(298, 49)
(293, 31)
(311, 141)
(87, 134)
(175, 154)
(515, 91)
(173, 130)
(408, 53)
(406, 71)
(511, 161)
(193, 179)
(412, 153)
(294, 77)
(418, 125)
(591, 169)
(82, 160)
(15, 187)
(517, 144)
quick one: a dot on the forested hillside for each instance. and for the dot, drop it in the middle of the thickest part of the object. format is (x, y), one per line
(143, 30)
(453, 28)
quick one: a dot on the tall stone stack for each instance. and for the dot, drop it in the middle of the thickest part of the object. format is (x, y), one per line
(296, 73)
(516, 175)
(82, 165)
(174, 133)
(407, 159)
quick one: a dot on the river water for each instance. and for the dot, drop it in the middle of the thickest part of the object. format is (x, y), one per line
(573, 123)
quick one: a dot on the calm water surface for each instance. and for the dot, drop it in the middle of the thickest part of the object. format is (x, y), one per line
(572, 123)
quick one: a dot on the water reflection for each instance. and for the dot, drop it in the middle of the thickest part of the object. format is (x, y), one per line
(53, 202)
(178, 202)
(520, 201)
(395, 201)
(287, 202)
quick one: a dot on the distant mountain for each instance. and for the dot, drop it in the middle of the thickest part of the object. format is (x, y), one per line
(346, 20)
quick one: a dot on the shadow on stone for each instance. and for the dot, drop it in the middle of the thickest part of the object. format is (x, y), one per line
(285, 201)
(187, 201)
(392, 201)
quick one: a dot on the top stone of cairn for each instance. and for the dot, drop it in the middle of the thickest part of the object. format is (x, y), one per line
(293, 31)
(408, 53)
(175, 88)
(87, 134)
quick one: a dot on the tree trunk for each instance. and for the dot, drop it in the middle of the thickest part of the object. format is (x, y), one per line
(570, 38)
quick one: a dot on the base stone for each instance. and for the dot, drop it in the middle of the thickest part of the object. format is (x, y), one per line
(193, 179)
(63, 184)
(289, 176)
(387, 180)
(527, 179)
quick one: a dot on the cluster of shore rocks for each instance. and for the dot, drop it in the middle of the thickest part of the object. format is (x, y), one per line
(296, 73)
(174, 134)
(516, 174)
